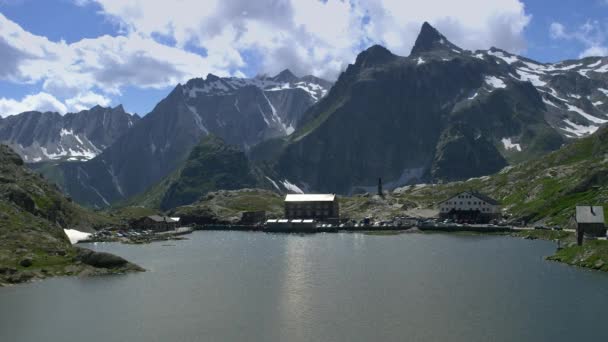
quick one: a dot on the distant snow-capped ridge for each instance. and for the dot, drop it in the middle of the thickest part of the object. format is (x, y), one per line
(571, 90)
(39, 137)
(214, 85)
(259, 108)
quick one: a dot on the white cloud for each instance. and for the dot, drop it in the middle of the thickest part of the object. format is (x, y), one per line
(241, 37)
(107, 63)
(45, 102)
(86, 100)
(557, 31)
(42, 101)
(592, 35)
(319, 37)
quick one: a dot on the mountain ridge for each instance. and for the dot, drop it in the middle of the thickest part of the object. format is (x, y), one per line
(50, 136)
(482, 109)
(243, 112)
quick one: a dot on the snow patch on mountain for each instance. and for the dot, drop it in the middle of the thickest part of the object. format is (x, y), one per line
(499, 54)
(495, 82)
(530, 77)
(509, 145)
(579, 130)
(602, 69)
(292, 187)
(587, 116)
(273, 183)
(197, 119)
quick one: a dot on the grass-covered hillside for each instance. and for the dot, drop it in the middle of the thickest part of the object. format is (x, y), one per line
(227, 206)
(212, 165)
(546, 189)
(33, 214)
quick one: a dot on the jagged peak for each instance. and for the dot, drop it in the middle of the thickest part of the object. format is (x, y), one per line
(285, 76)
(430, 39)
(119, 108)
(374, 55)
(211, 78)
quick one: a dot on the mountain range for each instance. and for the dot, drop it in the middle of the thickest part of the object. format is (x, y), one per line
(242, 112)
(39, 137)
(440, 114)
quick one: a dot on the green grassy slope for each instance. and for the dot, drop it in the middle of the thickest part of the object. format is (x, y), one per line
(546, 189)
(33, 214)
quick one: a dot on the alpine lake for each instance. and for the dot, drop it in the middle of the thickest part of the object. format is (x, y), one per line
(248, 286)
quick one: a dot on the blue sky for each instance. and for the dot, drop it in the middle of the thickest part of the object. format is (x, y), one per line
(67, 55)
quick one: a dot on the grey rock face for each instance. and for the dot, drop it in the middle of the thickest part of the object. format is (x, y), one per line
(39, 137)
(242, 112)
(442, 113)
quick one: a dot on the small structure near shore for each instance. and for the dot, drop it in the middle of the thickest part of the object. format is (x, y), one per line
(253, 217)
(589, 222)
(294, 225)
(470, 206)
(319, 207)
(156, 223)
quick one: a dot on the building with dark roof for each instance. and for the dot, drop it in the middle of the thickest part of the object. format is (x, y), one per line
(589, 222)
(470, 206)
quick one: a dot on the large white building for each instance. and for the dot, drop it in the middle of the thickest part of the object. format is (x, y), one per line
(470, 206)
(320, 207)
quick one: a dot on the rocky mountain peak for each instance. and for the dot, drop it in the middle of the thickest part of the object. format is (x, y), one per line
(374, 55)
(212, 78)
(286, 76)
(430, 39)
(119, 108)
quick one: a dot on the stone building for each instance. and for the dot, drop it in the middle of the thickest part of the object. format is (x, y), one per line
(470, 206)
(320, 207)
(589, 222)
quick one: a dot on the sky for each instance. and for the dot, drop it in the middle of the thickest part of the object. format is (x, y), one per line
(70, 55)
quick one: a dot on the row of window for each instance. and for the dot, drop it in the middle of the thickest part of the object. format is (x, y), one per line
(449, 209)
(311, 205)
(462, 202)
(308, 213)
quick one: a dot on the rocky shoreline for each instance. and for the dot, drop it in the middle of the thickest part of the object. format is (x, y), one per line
(76, 262)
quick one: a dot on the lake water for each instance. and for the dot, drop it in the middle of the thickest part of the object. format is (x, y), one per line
(239, 286)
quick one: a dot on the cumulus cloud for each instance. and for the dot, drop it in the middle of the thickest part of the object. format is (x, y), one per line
(86, 100)
(42, 101)
(319, 37)
(592, 35)
(106, 63)
(45, 102)
(163, 43)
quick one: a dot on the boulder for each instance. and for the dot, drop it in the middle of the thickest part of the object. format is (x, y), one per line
(7, 270)
(100, 259)
(26, 262)
(20, 277)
